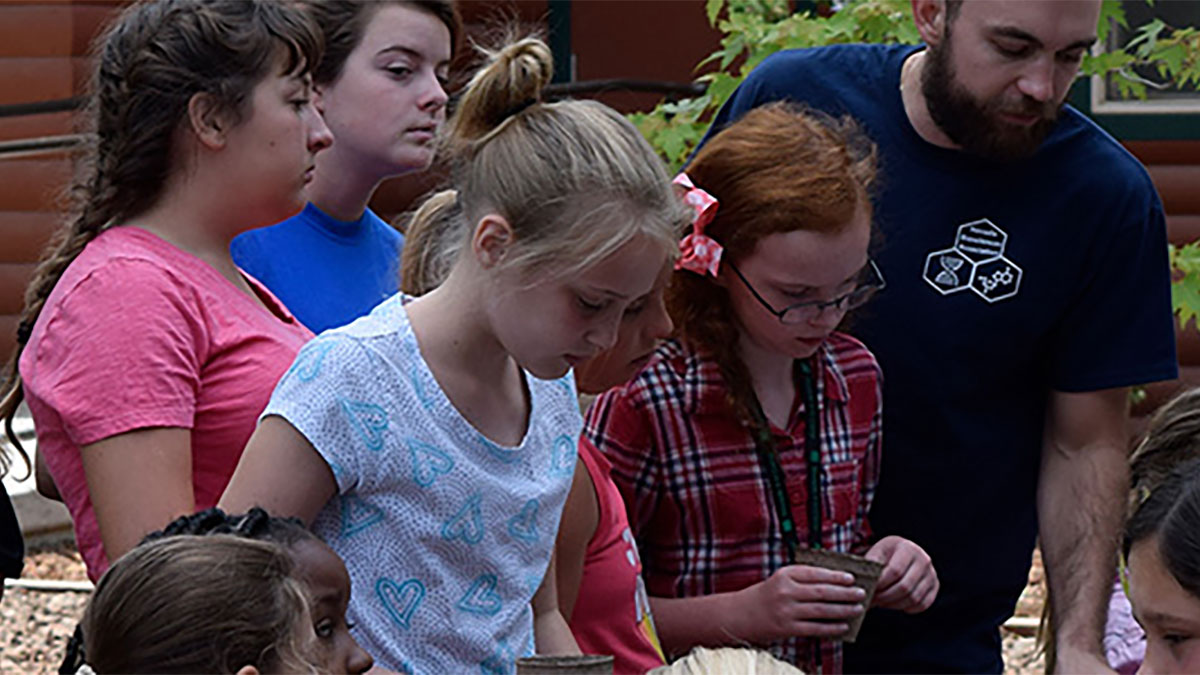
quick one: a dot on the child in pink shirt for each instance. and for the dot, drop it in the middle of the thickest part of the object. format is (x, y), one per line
(146, 355)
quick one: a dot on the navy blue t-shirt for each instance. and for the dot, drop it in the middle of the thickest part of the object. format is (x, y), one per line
(328, 272)
(1005, 281)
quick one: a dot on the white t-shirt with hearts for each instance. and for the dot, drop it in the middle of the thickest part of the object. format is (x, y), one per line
(446, 535)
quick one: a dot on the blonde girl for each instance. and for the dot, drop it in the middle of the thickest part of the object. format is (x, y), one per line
(432, 442)
(599, 585)
(756, 433)
(145, 354)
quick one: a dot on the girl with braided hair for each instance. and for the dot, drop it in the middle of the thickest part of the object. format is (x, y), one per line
(145, 353)
(334, 649)
(187, 604)
(756, 432)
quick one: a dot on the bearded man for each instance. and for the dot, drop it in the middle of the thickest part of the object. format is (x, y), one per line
(1028, 289)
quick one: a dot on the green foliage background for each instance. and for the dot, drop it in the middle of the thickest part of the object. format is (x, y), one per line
(751, 30)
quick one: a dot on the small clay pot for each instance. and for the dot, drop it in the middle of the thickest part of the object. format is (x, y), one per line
(866, 575)
(587, 664)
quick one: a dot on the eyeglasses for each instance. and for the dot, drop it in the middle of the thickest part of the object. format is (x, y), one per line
(801, 312)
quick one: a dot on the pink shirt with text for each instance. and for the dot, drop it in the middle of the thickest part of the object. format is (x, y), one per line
(612, 611)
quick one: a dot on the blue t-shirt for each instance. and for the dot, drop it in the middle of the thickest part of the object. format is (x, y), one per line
(328, 272)
(1005, 281)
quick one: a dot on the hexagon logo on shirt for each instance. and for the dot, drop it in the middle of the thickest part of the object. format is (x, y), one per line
(975, 262)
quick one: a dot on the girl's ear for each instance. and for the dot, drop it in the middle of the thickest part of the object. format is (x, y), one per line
(247, 670)
(492, 239)
(208, 120)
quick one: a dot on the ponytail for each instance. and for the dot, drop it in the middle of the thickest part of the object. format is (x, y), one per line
(510, 83)
(573, 179)
(432, 241)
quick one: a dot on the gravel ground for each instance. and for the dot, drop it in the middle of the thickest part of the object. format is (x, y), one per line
(35, 625)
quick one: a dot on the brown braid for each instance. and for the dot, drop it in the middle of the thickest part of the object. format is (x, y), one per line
(780, 168)
(149, 64)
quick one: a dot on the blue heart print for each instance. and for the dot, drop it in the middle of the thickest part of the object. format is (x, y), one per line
(400, 600)
(428, 462)
(481, 597)
(564, 383)
(466, 523)
(419, 389)
(358, 515)
(413, 356)
(532, 584)
(500, 662)
(368, 420)
(562, 462)
(523, 526)
(308, 363)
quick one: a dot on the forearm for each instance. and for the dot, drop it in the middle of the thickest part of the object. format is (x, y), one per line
(1080, 505)
(552, 635)
(707, 620)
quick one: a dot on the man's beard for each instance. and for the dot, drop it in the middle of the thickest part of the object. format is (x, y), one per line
(976, 126)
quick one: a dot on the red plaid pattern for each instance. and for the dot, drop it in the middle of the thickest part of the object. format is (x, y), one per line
(697, 498)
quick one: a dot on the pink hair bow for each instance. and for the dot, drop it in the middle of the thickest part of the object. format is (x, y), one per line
(700, 253)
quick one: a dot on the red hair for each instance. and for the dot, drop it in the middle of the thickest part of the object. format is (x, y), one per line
(779, 168)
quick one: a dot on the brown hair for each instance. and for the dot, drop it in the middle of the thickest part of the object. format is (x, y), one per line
(343, 23)
(199, 604)
(778, 169)
(1170, 512)
(148, 65)
(1172, 438)
(552, 170)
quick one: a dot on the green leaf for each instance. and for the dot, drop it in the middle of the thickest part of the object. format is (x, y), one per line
(1111, 12)
(713, 8)
(1172, 58)
(1185, 288)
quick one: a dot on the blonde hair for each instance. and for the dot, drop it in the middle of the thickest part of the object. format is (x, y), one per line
(551, 170)
(199, 604)
(432, 242)
(744, 661)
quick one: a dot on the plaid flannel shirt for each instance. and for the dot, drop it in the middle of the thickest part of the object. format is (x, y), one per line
(698, 500)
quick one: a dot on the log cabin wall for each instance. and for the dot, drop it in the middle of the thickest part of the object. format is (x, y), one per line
(1174, 165)
(43, 48)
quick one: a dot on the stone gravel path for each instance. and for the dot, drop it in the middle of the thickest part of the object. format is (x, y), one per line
(35, 625)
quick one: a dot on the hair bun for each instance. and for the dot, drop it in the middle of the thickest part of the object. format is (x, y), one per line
(511, 81)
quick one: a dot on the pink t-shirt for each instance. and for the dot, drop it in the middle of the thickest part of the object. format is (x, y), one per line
(612, 612)
(138, 334)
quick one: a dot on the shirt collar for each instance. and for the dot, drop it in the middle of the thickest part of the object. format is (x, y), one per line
(706, 391)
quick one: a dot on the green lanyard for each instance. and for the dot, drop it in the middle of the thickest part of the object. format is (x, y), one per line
(768, 457)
